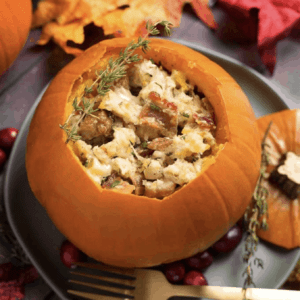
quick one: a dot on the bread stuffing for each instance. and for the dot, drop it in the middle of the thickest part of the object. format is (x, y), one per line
(148, 135)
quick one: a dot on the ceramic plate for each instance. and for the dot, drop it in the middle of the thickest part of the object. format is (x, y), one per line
(41, 240)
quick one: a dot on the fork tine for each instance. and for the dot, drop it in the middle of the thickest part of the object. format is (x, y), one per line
(115, 282)
(109, 270)
(92, 296)
(115, 279)
(126, 293)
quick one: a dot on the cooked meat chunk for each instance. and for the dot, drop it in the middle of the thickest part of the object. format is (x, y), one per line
(97, 124)
(160, 114)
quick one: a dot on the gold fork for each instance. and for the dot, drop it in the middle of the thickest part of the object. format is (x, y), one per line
(145, 284)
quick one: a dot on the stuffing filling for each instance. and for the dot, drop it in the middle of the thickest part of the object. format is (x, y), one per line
(148, 135)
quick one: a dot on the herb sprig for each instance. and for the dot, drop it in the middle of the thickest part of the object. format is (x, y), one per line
(256, 216)
(115, 69)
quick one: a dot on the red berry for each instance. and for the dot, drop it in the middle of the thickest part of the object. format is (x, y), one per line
(229, 241)
(3, 157)
(28, 274)
(194, 278)
(8, 137)
(174, 272)
(200, 261)
(6, 271)
(11, 290)
(70, 254)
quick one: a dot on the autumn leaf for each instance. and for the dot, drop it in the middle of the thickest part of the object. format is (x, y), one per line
(65, 20)
(263, 21)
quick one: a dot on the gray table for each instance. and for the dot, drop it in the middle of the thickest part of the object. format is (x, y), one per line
(36, 66)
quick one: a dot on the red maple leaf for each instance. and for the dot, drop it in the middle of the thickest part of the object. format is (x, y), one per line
(266, 21)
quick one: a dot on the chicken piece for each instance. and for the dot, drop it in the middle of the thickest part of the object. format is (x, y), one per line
(96, 124)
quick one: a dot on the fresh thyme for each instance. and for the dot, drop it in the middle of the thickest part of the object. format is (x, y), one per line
(158, 84)
(115, 69)
(154, 107)
(256, 216)
(186, 115)
(115, 183)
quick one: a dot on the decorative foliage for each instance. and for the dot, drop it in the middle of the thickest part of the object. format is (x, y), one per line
(65, 20)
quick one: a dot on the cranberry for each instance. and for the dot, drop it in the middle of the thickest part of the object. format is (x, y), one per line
(70, 254)
(229, 241)
(6, 271)
(174, 272)
(194, 278)
(28, 274)
(8, 137)
(3, 157)
(200, 261)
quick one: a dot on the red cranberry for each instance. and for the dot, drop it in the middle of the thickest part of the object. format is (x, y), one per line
(6, 271)
(28, 274)
(174, 272)
(229, 241)
(3, 157)
(200, 261)
(70, 254)
(8, 137)
(194, 278)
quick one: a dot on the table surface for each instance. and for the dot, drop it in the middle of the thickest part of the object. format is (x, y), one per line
(36, 65)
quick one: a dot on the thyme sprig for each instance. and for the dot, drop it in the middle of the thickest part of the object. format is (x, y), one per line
(256, 216)
(115, 70)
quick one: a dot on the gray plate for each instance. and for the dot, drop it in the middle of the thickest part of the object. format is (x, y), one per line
(41, 240)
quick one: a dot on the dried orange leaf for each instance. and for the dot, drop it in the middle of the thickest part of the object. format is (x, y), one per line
(64, 20)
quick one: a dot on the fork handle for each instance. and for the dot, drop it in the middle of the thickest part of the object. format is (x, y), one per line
(233, 293)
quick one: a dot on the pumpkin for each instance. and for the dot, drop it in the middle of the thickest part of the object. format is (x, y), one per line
(283, 213)
(128, 230)
(15, 21)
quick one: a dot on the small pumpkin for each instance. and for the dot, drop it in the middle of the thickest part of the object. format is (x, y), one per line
(283, 213)
(128, 230)
(15, 22)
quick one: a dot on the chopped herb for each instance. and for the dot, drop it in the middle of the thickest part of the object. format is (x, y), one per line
(86, 163)
(115, 183)
(149, 74)
(154, 107)
(186, 115)
(151, 59)
(183, 137)
(158, 85)
(144, 144)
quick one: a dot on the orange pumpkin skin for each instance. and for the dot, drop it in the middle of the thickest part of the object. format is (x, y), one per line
(15, 21)
(283, 213)
(136, 231)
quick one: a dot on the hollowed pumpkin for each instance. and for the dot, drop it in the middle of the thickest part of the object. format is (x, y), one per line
(15, 21)
(283, 213)
(136, 231)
